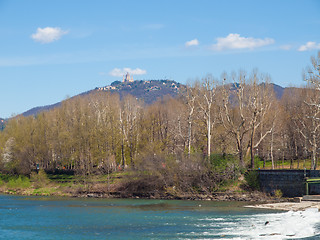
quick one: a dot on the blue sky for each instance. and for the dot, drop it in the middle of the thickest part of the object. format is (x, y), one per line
(53, 49)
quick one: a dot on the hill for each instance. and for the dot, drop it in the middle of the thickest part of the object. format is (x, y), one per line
(278, 90)
(149, 91)
(36, 110)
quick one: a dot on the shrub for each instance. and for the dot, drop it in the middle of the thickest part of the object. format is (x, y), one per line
(172, 173)
(252, 180)
(225, 168)
(39, 179)
(223, 162)
(43, 191)
(257, 162)
(19, 183)
(278, 193)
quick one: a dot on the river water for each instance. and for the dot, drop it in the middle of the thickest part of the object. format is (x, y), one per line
(69, 218)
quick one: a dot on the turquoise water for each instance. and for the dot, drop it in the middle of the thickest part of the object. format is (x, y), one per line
(69, 218)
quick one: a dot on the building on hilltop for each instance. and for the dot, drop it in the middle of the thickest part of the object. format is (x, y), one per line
(106, 88)
(127, 78)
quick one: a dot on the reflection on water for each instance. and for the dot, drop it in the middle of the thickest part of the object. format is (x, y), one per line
(65, 218)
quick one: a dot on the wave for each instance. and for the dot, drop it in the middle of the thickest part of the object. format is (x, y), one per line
(287, 225)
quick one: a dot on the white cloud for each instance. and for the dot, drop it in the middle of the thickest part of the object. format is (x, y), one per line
(193, 42)
(48, 34)
(309, 46)
(117, 72)
(235, 41)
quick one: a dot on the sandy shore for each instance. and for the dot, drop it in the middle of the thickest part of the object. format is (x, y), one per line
(289, 206)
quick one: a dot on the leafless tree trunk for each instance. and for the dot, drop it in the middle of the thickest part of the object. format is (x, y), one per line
(313, 78)
(233, 115)
(206, 100)
(191, 101)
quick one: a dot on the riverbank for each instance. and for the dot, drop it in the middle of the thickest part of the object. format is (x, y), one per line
(221, 196)
(118, 185)
(254, 196)
(288, 206)
(100, 191)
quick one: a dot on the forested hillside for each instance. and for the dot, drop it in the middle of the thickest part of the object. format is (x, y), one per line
(148, 91)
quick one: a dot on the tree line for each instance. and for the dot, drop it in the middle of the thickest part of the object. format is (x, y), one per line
(237, 115)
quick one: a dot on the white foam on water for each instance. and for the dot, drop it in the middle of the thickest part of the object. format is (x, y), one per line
(286, 225)
(271, 226)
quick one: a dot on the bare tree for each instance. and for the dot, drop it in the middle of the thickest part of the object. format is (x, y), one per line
(191, 97)
(128, 117)
(206, 99)
(307, 122)
(260, 101)
(313, 78)
(233, 111)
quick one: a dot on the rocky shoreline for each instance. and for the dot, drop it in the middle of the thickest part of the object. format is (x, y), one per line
(228, 196)
(254, 196)
(265, 201)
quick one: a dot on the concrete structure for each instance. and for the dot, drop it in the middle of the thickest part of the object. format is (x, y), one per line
(292, 183)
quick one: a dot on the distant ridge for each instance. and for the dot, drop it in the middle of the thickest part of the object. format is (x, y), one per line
(147, 90)
(37, 110)
(278, 90)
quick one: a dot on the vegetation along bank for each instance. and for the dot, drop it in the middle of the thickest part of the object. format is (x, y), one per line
(195, 145)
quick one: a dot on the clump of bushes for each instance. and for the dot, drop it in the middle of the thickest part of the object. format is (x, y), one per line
(252, 180)
(39, 179)
(278, 193)
(181, 174)
(225, 167)
(20, 182)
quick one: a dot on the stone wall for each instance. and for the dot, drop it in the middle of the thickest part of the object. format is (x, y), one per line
(290, 182)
